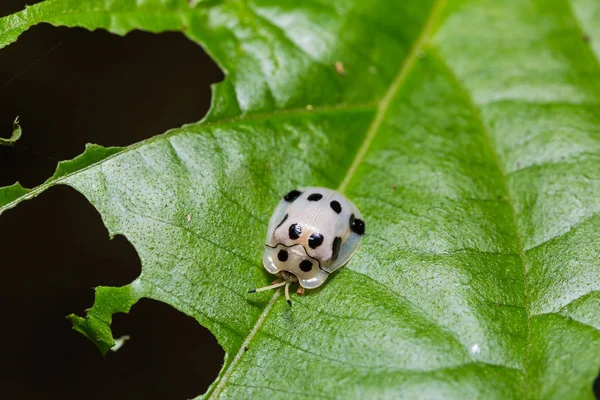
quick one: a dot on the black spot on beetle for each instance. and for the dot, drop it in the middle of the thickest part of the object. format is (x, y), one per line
(295, 231)
(336, 206)
(357, 225)
(335, 248)
(315, 197)
(305, 265)
(282, 221)
(293, 195)
(315, 240)
(282, 255)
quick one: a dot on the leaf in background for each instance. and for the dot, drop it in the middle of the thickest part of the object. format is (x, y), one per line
(16, 134)
(468, 134)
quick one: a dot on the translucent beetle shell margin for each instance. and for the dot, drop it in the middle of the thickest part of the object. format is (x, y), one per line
(313, 232)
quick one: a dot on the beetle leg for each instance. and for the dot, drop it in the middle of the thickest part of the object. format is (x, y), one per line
(262, 289)
(287, 293)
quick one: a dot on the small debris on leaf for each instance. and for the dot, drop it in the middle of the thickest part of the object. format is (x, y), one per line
(189, 217)
(339, 68)
(309, 107)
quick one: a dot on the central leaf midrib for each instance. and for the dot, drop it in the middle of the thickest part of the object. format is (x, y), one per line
(382, 108)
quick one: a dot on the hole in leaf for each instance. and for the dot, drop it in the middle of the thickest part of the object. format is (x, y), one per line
(174, 356)
(70, 87)
(58, 242)
(54, 250)
(597, 387)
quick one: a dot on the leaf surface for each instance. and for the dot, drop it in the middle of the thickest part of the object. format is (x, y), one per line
(467, 133)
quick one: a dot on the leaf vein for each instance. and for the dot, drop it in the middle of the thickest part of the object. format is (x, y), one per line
(396, 85)
(509, 196)
(218, 389)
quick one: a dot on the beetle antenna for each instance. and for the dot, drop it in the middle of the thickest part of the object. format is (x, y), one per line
(287, 293)
(262, 289)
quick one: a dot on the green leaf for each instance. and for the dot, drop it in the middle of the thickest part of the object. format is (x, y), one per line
(467, 133)
(16, 134)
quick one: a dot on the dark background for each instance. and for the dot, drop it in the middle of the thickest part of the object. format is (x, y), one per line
(70, 87)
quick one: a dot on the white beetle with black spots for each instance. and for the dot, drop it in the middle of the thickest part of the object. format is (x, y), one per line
(313, 232)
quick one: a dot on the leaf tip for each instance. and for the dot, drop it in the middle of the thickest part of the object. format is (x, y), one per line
(82, 325)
